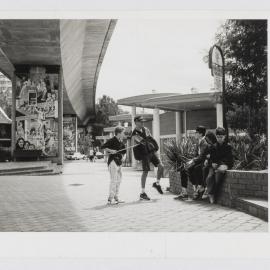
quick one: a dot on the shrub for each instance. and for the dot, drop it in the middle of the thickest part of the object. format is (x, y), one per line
(177, 153)
(249, 154)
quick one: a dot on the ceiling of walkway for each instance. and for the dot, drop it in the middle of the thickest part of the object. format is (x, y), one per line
(78, 46)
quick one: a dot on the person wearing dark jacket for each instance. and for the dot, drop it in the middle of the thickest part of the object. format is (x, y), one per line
(195, 166)
(222, 159)
(146, 150)
(193, 170)
(116, 149)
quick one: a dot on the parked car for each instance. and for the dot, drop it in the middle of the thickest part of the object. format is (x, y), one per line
(99, 155)
(75, 156)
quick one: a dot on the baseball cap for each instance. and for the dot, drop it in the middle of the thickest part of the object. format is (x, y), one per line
(138, 119)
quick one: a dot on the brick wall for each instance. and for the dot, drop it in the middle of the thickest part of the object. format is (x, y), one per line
(243, 184)
(235, 184)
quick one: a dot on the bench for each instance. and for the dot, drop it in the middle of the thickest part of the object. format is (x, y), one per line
(26, 155)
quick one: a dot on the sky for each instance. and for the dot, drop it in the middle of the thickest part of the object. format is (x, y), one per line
(165, 55)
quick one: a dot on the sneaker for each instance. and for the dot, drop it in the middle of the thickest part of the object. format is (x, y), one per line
(157, 187)
(182, 196)
(118, 201)
(143, 196)
(109, 202)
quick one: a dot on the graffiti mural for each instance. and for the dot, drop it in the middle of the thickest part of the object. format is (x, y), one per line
(37, 110)
(69, 134)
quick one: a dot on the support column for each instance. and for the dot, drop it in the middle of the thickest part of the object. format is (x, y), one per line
(60, 117)
(178, 128)
(185, 123)
(76, 134)
(13, 115)
(156, 126)
(133, 115)
(219, 112)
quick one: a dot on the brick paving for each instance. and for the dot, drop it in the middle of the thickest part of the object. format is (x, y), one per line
(76, 201)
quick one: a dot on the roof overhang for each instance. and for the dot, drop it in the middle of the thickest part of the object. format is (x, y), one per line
(128, 117)
(174, 102)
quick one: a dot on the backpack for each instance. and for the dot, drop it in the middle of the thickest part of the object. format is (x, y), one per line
(148, 145)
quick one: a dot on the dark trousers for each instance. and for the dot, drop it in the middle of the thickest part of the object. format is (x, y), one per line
(193, 174)
(213, 181)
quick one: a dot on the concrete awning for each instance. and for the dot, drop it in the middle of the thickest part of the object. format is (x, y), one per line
(78, 46)
(128, 117)
(173, 102)
(139, 100)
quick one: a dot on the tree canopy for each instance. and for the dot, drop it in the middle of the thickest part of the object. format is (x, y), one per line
(244, 44)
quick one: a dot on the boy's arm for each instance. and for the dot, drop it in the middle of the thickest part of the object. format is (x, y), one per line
(107, 147)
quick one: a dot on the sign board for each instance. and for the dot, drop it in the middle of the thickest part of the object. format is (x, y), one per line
(216, 64)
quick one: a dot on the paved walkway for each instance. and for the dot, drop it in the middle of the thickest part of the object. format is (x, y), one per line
(76, 201)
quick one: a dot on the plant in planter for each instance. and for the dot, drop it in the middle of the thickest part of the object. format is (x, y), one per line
(177, 153)
(249, 154)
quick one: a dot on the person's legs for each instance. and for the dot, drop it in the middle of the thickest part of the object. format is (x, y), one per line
(157, 163)
(211, 184)
(205, 171)
(219, 176)
(160, 171)
(113, 183)
(184, 184)
(209, 181)
(143, 180)
(195, 176)
(146, 169)
(118, 182)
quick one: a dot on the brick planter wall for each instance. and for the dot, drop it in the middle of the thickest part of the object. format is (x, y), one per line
(175, 182)
(235, 184)
(243, 184)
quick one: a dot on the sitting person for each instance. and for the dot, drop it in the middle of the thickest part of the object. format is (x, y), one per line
(222, 160)
(207, 168)
(20, 144)
(193, 170)
(26, 145)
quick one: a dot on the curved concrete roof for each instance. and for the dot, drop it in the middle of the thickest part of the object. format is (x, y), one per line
(173, 102)
(78, 46)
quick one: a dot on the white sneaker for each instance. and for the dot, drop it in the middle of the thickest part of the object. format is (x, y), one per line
(119, 201)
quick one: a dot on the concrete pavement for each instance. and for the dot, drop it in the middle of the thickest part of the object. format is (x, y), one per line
(76, 201)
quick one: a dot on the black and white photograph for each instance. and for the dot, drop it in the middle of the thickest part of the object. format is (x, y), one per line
(134, 125)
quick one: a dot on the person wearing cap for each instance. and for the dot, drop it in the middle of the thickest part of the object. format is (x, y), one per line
(222, 160)
(146, 151)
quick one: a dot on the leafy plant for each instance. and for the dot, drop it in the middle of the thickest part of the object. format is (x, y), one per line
(249, 154)
(177, 153)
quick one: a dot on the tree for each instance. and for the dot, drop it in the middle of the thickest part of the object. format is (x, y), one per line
(244, 43)
(105, 107)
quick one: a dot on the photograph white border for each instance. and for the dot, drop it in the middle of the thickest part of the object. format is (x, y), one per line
(135, 245)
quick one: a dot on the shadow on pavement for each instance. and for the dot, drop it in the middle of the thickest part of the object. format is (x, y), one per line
(101, 207)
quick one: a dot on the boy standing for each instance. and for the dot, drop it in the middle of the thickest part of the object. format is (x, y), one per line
(114, 147)
(146, 152)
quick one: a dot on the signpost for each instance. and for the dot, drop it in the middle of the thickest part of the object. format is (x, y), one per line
(216, 64)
